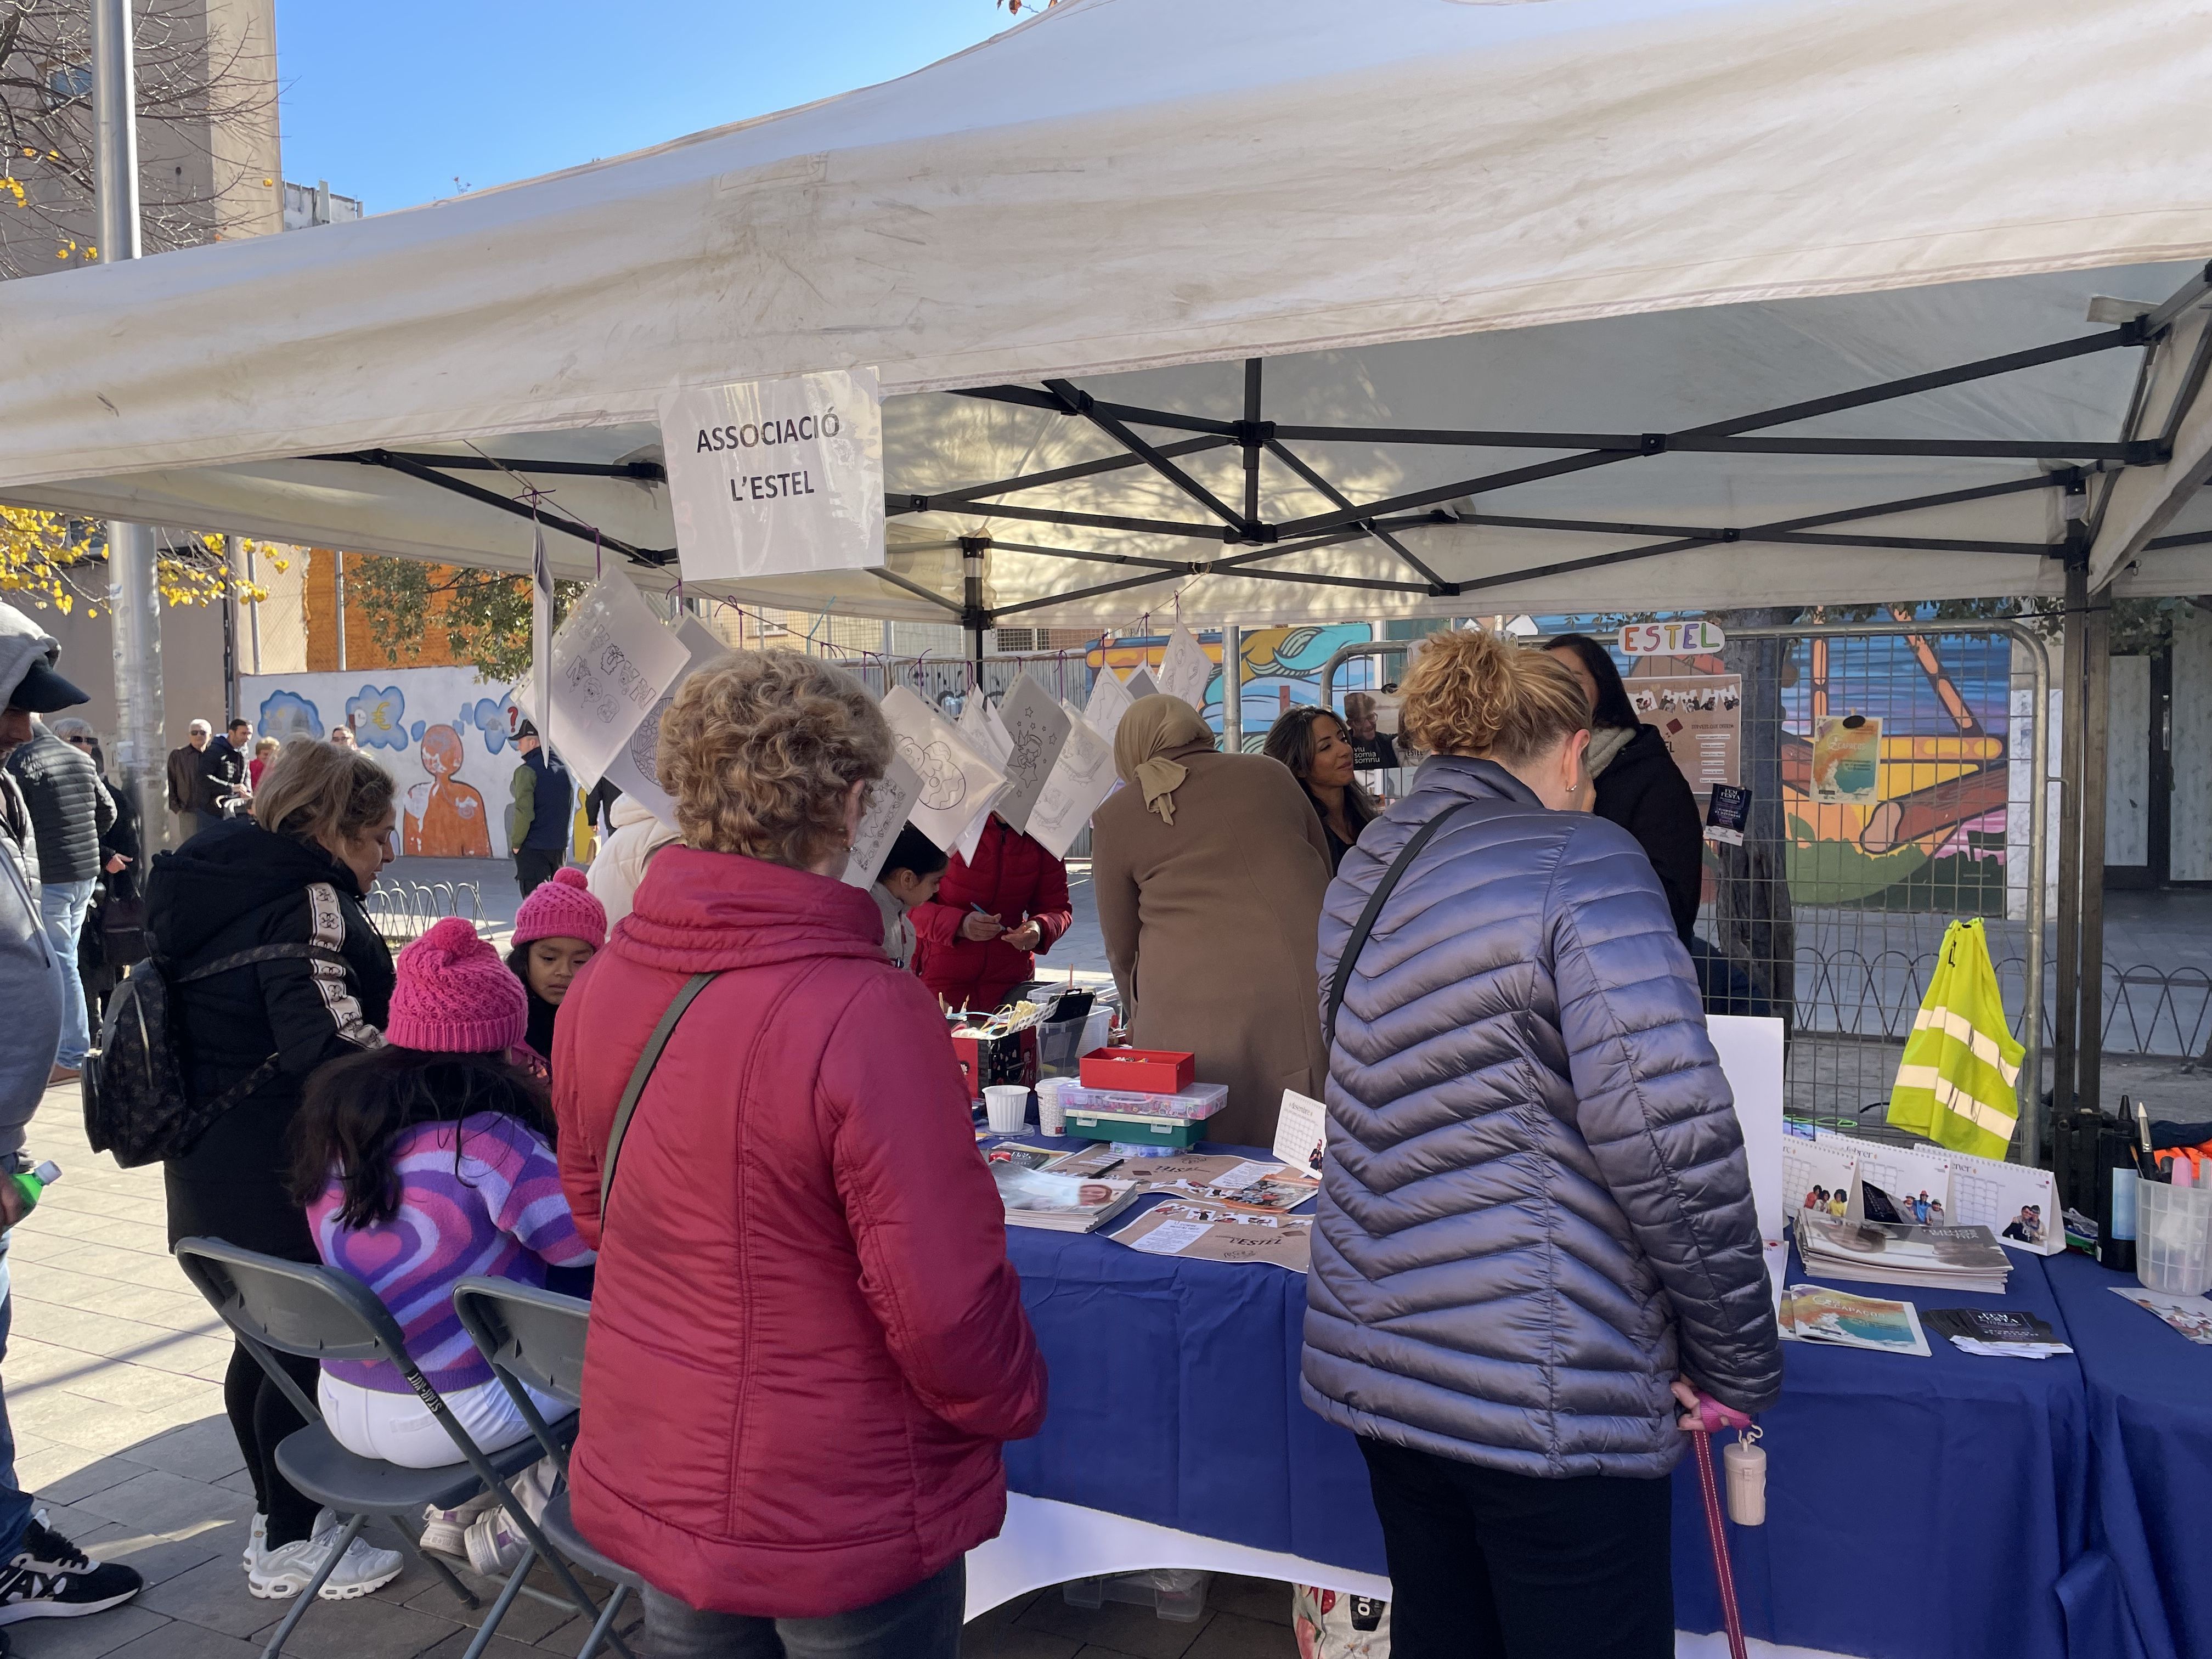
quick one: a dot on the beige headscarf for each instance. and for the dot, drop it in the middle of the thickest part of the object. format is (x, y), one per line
(1152, 727)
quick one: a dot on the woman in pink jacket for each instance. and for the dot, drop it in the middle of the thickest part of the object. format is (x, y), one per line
(806, 1343)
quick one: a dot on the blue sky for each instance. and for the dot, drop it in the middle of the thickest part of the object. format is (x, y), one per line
(390, 102)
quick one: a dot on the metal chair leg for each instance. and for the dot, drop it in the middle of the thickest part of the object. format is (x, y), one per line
(306, 1598)
(600, 1630)
(499, 1608)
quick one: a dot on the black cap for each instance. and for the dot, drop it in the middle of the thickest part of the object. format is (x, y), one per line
(42, 691)
(524, 730)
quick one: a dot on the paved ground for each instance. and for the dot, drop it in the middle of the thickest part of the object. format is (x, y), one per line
(113, 1382)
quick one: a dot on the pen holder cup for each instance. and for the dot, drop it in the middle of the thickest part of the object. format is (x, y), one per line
(1008, 1108)
(2174, 1237)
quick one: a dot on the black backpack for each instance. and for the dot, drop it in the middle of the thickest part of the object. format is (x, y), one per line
(135, 1102)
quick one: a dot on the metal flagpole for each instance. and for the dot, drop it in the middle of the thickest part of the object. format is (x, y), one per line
(134, 599)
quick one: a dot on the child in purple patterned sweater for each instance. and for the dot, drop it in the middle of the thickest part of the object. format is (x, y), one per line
(422, 1163)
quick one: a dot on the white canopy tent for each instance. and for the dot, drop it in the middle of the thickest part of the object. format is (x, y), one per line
(1290, 309)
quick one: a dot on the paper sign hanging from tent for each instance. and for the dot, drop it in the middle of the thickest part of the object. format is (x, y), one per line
(985, 731)
(890, 799)
(954, 783)
(777, 477)
(1184, 668)
(1109, 701)
(612, 661)
(972, 836)
(1081, 777)
(634, 769)
(1036, 729)
(1141, 684)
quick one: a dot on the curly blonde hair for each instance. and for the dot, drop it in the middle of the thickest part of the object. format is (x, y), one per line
(759, 749)
(1473, 693)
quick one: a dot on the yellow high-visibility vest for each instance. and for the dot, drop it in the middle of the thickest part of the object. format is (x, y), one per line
(1959, 1083)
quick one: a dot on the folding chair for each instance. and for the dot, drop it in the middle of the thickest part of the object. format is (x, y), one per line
(318, 1313)
(536, 1338)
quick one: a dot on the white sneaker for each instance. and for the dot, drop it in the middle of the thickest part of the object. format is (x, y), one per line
(446, 1530)
(282, 1573)
(495, 1545)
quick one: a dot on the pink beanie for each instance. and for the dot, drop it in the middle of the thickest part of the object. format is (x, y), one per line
(455, 996)
(561, 908)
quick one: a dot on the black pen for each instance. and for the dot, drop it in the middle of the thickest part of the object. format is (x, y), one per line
(1097, 1174)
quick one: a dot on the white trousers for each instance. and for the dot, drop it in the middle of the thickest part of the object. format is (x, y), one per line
(399, 1429)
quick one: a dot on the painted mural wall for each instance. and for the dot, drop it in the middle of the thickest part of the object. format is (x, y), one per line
(440, 731)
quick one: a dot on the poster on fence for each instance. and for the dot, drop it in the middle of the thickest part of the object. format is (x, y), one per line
(1701, 717)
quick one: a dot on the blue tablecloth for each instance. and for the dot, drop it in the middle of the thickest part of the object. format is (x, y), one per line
(1914, 1507)
(2150, 1423)
(1917, 1507)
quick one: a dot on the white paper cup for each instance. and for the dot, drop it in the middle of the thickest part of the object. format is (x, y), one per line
(1052, 1116)
(1007, 1107)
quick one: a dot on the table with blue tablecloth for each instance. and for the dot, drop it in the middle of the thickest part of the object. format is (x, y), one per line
(1918, 1507)
(2149, 1399)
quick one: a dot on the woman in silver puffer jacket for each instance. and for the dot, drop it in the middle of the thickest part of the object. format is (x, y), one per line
(1536, 1237)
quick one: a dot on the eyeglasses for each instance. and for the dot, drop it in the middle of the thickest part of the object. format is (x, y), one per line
(84, 743)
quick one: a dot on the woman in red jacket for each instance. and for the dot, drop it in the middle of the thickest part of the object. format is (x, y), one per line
(806, 1342)
(977, 934)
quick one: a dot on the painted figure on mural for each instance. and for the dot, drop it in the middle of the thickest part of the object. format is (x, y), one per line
(445, 818)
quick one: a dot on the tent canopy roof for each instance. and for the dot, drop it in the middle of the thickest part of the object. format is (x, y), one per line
(1309, 310)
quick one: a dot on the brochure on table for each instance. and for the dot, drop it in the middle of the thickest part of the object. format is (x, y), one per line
(1213, 1235)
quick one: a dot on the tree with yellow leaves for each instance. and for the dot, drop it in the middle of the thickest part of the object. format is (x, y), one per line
(59, 563)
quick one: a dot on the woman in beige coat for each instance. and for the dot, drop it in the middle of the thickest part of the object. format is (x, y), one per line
(1210, 870)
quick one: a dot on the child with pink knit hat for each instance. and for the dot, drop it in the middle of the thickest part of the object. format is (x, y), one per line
(421, 1163)
(560, 927)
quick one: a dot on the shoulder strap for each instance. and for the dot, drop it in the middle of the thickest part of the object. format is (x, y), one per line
(640, 1075)
(1341, 977)
(258, 953)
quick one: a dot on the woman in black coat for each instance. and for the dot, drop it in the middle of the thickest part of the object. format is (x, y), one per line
(293, 874)
(1640, 788)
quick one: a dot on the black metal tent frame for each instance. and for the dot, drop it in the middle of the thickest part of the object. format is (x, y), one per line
(2066, 465)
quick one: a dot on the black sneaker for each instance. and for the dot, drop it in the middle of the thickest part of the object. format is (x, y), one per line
(53, 1578)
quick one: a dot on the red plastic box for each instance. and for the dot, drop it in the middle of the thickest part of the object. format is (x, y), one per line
(1149, 1070)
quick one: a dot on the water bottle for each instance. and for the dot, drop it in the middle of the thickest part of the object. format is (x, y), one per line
(33, 1183)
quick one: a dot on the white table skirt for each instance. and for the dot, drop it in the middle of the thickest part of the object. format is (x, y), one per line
(1046, 1542)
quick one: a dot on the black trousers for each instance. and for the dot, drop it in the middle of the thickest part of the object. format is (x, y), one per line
(534, 867)
(1484, 1564)
(231, 1185)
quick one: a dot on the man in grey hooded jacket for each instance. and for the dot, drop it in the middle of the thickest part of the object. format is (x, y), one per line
(42, 1574)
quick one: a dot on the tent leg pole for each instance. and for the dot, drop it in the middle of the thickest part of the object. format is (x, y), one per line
(1232, 689)
(2068, 945)
(134, 599)
(2096, 722)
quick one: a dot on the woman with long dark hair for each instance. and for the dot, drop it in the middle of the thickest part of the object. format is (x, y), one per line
(1638, 786)
(422, 1163)
(1318, 747)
